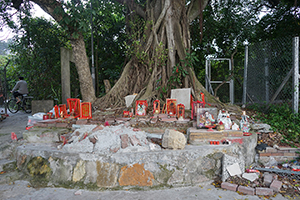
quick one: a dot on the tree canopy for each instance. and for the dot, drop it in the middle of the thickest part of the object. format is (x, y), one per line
(217, 29)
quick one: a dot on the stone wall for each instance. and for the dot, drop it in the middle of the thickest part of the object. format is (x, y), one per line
(279, 154)
(193, 165)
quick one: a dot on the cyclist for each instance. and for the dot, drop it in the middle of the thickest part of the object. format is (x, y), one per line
(20, 89)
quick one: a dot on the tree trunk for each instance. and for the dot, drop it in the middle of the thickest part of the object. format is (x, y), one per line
(159, 57)
(79, 51)
(83, 69)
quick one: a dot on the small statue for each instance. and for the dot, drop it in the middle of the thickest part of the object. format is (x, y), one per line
(235, 127)
(224, 117)
(209, 119)
(141, 109)
(244, 123)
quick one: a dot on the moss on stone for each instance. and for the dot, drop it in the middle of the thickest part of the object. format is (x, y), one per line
(10, 167)
(39, 167)
(165, 174)
(211, 173)
(78, 185)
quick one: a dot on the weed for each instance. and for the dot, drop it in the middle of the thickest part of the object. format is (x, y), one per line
(282, 120)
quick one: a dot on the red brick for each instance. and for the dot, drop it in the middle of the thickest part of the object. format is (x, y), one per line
(282, 151)
(276, 185)
(124, 141)
(225, 134)
(40, 124)
(95, 122)
(289, 154)
(235, 133)
(61, 125)
(265, 154)
(271, 150)
(82, 121)
(264, 191)
(277, 154)
(134, 141)
(246, 190)
(114, 150)
(97, 128)
(229, 186)
(268, 178)
(52, 125)
(294, 150)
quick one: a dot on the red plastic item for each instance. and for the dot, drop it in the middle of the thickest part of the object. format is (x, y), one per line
(86, 110)
(126, 113)
(106, 123)
(156, 106)
(247, 134)
(141, 107)
(252, 171)
(13, 136)
(45, 117)
(64, 140)
(180, 111)
(56, 111)
(63, 110)
(171, 107)
(74, 107)
(196, 105)
(28, 127)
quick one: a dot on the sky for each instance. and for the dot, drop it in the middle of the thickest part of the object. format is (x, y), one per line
(7, 33)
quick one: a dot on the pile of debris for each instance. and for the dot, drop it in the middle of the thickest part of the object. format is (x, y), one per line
(118, 139)
(262, 183)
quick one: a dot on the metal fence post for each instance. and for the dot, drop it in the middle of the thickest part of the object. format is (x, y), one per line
(296, 74)
(267, 80)
(245, 75)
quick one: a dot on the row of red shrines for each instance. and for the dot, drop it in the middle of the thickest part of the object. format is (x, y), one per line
(77, 109)
(170, 107)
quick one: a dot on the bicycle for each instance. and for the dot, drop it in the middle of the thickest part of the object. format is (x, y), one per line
(24, 104)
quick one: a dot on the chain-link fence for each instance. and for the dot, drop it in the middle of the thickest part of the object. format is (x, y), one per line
(269, 72)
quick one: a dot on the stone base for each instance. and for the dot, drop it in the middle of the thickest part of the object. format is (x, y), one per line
(159, 167)
(204, 136)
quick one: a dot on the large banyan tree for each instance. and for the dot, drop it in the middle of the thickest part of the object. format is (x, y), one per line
(159, 49)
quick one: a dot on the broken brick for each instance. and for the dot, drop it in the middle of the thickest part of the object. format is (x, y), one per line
(276, 185)
(264, 191)
(246, 190)
(268, 178)
(97, 128)
(134, 141)
(61, 125)
(115, 150)
(229, 186)
(124, 141)
(82, 121)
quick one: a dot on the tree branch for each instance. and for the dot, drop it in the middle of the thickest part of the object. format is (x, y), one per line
(49, 6)
(133, 6)
(193, 8)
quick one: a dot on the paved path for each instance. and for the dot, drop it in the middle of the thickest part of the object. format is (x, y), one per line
(13, 123)
(20, 191)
